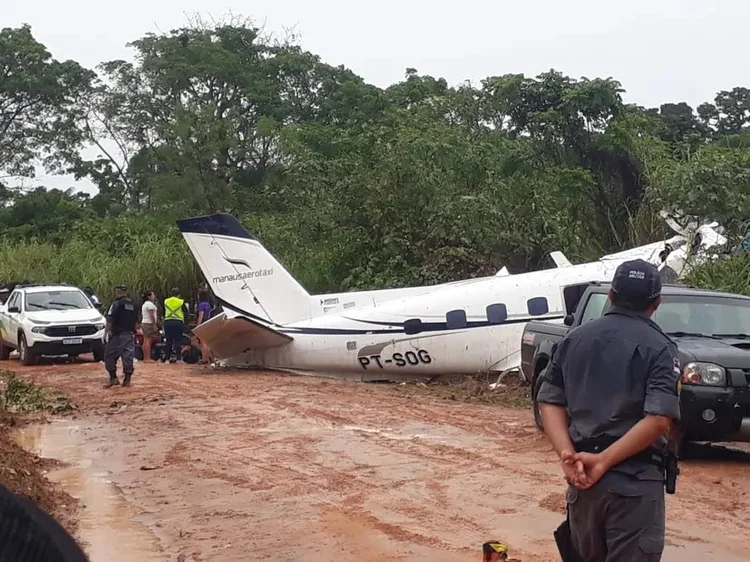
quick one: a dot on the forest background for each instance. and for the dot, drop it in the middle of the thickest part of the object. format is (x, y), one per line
(351, 186)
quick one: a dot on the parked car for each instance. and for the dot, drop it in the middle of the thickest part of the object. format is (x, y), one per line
(712, 332)
(50, 320)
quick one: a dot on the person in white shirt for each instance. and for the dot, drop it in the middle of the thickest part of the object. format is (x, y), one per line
(149, 323)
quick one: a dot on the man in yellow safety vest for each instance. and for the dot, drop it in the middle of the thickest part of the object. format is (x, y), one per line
(175, 314)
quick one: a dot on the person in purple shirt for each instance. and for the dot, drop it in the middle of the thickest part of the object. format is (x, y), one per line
(203, 313)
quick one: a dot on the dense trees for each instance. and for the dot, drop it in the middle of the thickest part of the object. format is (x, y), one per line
(352, 185)
(39, 104)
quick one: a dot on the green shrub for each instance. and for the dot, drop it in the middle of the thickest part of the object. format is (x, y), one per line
(731, 275)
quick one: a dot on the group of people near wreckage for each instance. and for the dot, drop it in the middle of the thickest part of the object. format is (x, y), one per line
(173, 317)
(126, 318)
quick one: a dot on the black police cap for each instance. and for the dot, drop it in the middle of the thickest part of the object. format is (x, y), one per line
(637, 280)
(121, 288)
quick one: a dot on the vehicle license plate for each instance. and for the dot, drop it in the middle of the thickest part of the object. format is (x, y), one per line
(72, 341)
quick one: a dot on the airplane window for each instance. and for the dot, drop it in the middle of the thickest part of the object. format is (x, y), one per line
(537, 306)
(456, 319)
(413, 326)
(497, 313)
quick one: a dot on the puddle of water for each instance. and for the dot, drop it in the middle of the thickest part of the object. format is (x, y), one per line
(107, 527)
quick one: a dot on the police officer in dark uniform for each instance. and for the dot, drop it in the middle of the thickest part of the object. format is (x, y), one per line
(122, 319)
(607, 401)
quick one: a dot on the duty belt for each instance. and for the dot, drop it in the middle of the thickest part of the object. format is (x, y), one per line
(649, 456)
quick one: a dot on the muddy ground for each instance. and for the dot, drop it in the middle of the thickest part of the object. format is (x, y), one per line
(196, 464)
(22, 472)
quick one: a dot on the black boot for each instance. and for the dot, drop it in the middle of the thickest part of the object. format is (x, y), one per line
(126, 380)
(113, 381)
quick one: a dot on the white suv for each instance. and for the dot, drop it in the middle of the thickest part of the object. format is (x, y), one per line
(50, 320)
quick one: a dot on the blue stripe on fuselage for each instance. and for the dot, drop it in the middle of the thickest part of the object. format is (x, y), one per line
(394, 327)
(398, 328)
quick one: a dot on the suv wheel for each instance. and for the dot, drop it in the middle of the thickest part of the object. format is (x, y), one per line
(27, 358)
(98, 353)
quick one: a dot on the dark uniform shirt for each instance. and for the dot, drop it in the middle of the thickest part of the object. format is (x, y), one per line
(609, 373)
(123, 315)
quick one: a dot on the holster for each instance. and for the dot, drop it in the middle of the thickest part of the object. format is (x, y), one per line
(565, 542)
(671, 470)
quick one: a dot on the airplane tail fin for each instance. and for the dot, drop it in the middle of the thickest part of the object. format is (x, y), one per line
(243, 275)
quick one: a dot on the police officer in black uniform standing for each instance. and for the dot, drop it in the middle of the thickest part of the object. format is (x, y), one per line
(607, 401)
(122, 319)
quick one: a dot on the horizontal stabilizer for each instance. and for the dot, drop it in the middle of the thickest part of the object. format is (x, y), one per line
(560, 259)
(227, 337)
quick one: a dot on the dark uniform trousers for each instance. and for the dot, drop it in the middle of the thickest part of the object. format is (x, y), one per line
(618, 526)
(120, 345)
(173, 332)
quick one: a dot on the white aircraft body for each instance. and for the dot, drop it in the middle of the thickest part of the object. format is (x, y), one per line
(474, 326)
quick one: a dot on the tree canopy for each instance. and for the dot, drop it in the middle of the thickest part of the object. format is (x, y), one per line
(353, 186)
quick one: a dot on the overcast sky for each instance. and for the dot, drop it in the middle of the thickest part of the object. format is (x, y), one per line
(660, 50)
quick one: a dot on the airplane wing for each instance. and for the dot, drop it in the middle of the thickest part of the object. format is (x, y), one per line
(229, 336)
(649, 253)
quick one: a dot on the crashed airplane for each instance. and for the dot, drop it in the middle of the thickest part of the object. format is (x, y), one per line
(270, 321)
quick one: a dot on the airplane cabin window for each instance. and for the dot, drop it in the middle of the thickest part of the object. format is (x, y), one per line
(537, 306)
(497, 313)
(413, 326)
(456, 319)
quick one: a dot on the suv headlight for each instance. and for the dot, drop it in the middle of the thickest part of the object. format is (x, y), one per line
(100, 326)
(38, 329)
(704, 373)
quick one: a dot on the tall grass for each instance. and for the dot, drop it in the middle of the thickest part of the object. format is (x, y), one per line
(730, 275)
(146, 254)
(153, 262)
(153, 256)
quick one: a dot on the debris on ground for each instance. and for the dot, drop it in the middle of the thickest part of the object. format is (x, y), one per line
(19, 396)
(481, 389)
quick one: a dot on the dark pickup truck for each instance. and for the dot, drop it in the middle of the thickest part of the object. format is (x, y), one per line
(712, 332)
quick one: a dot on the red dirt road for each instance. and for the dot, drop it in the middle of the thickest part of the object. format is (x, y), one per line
(249, 466)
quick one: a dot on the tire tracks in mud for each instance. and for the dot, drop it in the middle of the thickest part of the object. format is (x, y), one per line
(363, 470)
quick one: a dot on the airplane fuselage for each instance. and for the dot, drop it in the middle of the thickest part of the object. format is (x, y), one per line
(463, 328)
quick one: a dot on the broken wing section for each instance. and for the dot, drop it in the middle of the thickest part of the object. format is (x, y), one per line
(559, 258)
(229, 336)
